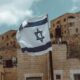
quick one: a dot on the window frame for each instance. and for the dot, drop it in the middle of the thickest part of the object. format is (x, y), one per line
(72, 72)
(58, 72)
(27, 75)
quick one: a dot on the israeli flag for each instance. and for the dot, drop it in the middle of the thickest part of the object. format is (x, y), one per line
(33, 36)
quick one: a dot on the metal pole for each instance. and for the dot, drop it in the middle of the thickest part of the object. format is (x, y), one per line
(51, 65)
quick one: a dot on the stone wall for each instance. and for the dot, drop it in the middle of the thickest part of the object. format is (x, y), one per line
(32, 66)
(62, 64)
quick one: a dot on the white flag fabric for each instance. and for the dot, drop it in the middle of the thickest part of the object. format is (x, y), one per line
(33, 36)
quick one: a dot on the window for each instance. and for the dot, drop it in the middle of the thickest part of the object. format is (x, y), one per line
(65, 31)
(58, 74)
(0, 59)
(58, 32)
(71, 17)
(71, 24)
(2, 37)
(7, 44)
(58, 77)
(34, 78)
(76, 30)
(51, 35)
(76, 76)
(58, 22)
(8, 63)
(7, 36)
(64, 19)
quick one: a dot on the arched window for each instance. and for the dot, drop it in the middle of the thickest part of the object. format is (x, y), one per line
(71, 17)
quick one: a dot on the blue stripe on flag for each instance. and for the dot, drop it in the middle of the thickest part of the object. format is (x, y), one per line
(37, 49)
(34, 24)
(37, 23)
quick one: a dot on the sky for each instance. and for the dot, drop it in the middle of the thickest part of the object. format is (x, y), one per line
(14, 12)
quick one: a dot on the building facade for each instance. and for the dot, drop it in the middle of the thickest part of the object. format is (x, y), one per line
(66, 56)
(70, 25)
(14, 65)
(8, 56)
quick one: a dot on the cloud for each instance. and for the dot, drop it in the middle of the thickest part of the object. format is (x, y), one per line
(74, 8)
(12, 11)
(75, 1)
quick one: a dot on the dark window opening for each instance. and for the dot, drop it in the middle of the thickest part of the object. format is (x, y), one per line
(65, 32)
(58, 76)
(64, 19)
(34, 78)
(76, 30)
(58, 32)
(71, 17)
(51, 35)
(8, 63)
(71, 24)
(58, 22)
(7, 44)
(76, 76)
(0, 59)
(7, 36)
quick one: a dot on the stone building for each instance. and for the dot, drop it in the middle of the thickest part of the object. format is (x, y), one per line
(65, 55)
(70, 32)
(70, 25)
(8, 56)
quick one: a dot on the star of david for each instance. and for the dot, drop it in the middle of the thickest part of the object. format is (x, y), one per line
(39, 35)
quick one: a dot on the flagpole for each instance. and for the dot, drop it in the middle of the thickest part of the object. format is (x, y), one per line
(51, 65)
(50, 60)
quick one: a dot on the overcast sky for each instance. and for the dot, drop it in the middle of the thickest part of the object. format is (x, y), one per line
(13, 12)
